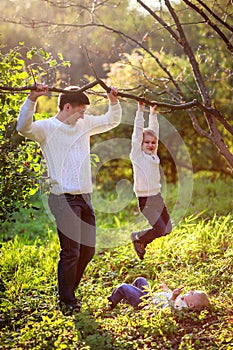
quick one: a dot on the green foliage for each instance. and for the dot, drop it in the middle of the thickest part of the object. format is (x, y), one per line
(19, 159)
(16, 173)
(198, 253)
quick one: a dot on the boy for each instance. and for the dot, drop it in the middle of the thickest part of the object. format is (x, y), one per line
(147, 185)
(65, 143)
(137, 291)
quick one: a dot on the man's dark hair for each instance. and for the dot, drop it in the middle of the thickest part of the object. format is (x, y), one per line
(75, 99)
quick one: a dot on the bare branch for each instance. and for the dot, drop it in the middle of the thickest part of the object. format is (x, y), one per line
(158, 19)
(196, 125)
(210, 23)
(189, 52)
(222, 120)
(225, 24)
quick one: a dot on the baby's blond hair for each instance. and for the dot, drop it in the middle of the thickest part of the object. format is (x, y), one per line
(202, 301)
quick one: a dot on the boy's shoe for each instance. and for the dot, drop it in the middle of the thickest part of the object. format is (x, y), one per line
(69, 309)
(134, 236)
(139, 249)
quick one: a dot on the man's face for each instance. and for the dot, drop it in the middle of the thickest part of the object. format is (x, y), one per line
(78, 112)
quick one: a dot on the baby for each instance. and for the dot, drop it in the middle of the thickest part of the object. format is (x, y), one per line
(134, 293)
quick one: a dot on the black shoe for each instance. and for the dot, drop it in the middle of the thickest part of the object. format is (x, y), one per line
(110, 304)
(139, 249)
(69, 309)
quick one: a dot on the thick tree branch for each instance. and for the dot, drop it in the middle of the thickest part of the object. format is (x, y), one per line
(172, 107)
(51, 89)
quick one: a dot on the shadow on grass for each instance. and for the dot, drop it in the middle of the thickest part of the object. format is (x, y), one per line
(91, 333)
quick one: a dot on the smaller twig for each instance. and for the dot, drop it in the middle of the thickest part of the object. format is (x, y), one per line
(91, 64)
(33, 75)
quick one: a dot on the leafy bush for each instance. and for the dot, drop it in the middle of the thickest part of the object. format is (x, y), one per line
(19, 159)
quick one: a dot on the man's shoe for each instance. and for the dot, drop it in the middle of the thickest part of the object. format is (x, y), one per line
(110, 304)
(139, 249)
(69, 309)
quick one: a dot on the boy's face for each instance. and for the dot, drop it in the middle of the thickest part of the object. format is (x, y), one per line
(149, 144)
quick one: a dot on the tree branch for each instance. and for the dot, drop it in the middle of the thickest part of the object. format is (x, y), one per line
(172, 107)
(225, 24)
(197, 126)
(189, 52)
(35, 24)
(51, 89)
(222, 120)
(158, 19)
(211, 24)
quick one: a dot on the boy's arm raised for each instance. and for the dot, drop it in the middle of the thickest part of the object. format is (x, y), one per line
(137, 135)
(153, 121)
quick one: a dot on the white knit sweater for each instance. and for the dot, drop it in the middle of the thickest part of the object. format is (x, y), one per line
(66, 148)
(145, 166)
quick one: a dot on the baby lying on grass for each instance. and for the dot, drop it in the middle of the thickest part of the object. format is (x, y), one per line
(138, 291)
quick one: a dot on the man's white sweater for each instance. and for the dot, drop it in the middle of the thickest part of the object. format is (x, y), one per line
(66, 148)
(145, 166)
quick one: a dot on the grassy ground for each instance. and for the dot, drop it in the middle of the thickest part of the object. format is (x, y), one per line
(199, 253)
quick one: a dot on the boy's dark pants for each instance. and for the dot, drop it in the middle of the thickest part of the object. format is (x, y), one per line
(155, 211)
(75, 221)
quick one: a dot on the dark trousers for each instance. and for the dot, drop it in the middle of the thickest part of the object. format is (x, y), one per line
(76, 227)
(155, 211)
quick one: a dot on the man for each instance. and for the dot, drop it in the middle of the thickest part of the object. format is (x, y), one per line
(65, 143)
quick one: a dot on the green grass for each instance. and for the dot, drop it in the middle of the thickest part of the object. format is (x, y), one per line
(198, 252)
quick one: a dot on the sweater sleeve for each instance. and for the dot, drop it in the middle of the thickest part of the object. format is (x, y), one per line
(154, 125)
(25, 124)
(107, 121)
(137, 135)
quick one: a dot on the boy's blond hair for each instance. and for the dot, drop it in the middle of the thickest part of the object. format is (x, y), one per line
(147, 131)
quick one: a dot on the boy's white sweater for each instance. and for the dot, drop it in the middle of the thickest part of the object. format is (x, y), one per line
(66, 148)
(145, 166)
